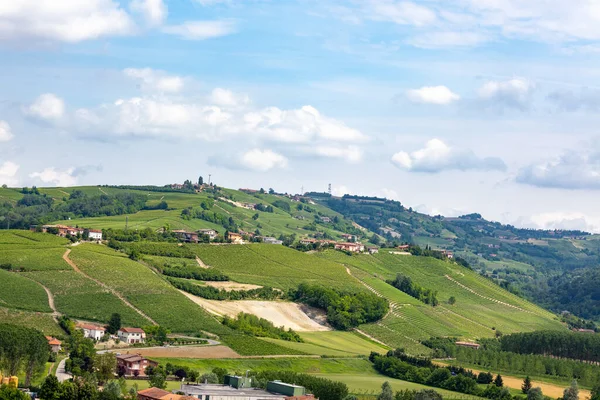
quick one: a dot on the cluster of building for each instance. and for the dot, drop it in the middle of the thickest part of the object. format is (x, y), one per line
(125, 334)
(234, 388)
(233, 237)
(354, 247)
(194, 237)
(64, 230)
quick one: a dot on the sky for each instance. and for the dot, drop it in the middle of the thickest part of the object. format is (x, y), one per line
(487, 106)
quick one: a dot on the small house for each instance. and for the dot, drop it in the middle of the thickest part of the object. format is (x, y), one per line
(271, 240)
(95, 234)
(349, 237)
(133, 364)
(131, 335)
(352, 247)
(184, 236)
(373, 250)
(94, 332)
(54, 343)
(235, 238)
(212, 234)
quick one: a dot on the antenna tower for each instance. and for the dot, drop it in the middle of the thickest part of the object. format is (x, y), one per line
(329, 189)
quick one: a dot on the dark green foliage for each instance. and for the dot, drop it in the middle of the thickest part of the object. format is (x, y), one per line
(485, 378)
(345, 310)
(193, 272)
(323, 389)
(526, 386)
(572, 392)
(255, 326)
(81, 356)
(498, 381)
(22, 350)
(212, 293)
(224, 220)
(7, 393)
(386, 392)
(564, 344)
(536, 394)
(155, 249)
(157, 377)
(285, 206)
(114, 324)
(405, 284)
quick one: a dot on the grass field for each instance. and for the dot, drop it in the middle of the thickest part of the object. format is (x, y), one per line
(481, 306)
(37, 320)
(17, 291)
(275, 266)
(332, 343)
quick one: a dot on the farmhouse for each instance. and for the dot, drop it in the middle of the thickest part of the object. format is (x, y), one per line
(448, 253)
(271, 240)
(248, 206)
(62, 230)
(95, 234)
(235, 238)
(189, 237)
(308, 241)
(469, 345)
(55, 344)
(91, 331)
(325, 219)
(131, 335)
(239, 388)
(349, 237)
(373, 250)
(353, 247)
(133, 364)
(403, 247)
(212, 234)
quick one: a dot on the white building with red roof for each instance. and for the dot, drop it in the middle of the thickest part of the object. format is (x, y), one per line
(132, 335)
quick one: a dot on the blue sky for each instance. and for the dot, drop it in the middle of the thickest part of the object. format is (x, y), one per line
(486, 106)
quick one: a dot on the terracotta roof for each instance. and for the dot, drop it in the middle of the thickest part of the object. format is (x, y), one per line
(153, 393)
(95, 230)
(132, 330)
(130, 357)
(53, 341)
(91, 327)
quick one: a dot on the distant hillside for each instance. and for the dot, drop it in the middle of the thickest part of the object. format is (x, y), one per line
(537, 264)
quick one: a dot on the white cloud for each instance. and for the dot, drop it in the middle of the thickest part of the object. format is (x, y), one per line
(47, 106)
(56, 177)
(64, 20)
(227, 98)
(263, 160)
(352, 154)
(436, 40)
(5, 132)
(432, 95)
(8, 173)
(584, 99)
(154, 11)
(562, 220)
(340, 190)
(201, 30)
(572, 170)
(155, 80)
(437, 156)
(401, 12)
(513, 93)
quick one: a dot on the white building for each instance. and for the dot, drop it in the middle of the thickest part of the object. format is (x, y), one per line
(94, 332)
(212, 234)
(95, 234)
(132, 335)
(271, 240)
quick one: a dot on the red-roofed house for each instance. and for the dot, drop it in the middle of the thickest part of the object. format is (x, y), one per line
(132, 335)
(54, 343)
(92, 331)
(353, 247)
(133, 364)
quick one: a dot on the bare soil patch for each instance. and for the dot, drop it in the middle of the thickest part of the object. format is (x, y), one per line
(281, 313)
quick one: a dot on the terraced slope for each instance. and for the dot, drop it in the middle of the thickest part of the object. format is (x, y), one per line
(481, 307)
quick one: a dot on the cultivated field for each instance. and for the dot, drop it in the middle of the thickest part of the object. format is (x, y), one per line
(196, 352)
(332, 343)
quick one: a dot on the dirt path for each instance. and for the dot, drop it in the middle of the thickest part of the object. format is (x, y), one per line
(55, 313)
(102, 190)
(201, 263)
(485, 297)
(370, 337)
(119, 295)
(549, 389)
(280, 313)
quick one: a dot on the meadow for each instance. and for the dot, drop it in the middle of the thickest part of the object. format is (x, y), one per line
(40, 321)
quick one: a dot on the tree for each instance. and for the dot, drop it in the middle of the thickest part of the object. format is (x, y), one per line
(193, 376)
(535, 394)
(526, 386)
(427, 394)
(158, 377)
(386, 392)
(220, 372)
(452, 300)
(9, 393)
(572, 392)
(211, 377)
(200, 181)
(485, 378)
(498, 381)
(105, 365)
(114, 324)
(50, 388)
(112, 390)
(596, 392)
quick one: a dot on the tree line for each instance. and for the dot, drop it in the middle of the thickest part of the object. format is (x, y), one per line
(564, 344)
(22, 350)
(192, 272)
(406, 285)
(345, 309)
